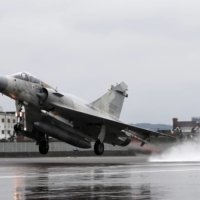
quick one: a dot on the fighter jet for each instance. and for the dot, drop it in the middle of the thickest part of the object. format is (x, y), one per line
(50, 113)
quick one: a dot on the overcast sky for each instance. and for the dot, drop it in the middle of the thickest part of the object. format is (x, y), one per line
(82, 47)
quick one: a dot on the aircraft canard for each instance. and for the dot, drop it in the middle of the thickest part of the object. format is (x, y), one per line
(52, 113)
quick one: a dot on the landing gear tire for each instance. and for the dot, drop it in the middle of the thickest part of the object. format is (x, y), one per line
(43, 147)
(98, 148)
(18, 127)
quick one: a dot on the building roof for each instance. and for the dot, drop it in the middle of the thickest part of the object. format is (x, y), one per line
(187, 124)
(9, 112)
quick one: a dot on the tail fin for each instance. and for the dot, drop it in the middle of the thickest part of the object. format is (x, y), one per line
(113, 100)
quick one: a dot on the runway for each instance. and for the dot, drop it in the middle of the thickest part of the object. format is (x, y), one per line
(98, 178)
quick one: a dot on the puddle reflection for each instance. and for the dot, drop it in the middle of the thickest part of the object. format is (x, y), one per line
(92, 185)
(152, 181)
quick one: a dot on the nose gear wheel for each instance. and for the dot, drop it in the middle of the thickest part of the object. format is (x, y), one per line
(18, 127)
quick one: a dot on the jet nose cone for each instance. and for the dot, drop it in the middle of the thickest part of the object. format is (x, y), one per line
(3, 83)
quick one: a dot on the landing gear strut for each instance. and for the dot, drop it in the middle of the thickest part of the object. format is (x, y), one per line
(98, 148)
(19, 126)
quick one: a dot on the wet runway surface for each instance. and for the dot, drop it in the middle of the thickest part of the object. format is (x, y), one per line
(97, 178)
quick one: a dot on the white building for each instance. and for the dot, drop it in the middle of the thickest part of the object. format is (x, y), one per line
(7, 122)
(1, 109)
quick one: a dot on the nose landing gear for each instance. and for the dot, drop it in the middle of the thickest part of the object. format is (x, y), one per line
(19, 126)
(19, 114)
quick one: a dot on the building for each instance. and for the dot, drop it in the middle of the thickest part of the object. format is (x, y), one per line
(187, 129)
(7, 122)
(1, 109)
(196, 119)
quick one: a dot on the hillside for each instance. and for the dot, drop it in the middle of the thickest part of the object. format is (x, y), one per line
(153, 127)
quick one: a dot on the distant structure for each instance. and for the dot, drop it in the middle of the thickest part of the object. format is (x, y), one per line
(154, 127)
(1, 109)
(7, 122)
(196, 119)
(187, 129)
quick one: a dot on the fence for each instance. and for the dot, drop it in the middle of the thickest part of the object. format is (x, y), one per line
(53, 147)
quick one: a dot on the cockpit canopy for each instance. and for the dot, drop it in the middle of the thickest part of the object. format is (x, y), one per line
(27, 77)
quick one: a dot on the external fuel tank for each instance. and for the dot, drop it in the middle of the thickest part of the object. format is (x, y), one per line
(62, 135)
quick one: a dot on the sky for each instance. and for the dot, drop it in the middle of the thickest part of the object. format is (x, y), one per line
(82, 47)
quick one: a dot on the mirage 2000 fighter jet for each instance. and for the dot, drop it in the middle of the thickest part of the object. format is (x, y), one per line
(55, 114)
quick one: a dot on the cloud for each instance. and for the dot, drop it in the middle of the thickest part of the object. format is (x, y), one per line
(84, 46)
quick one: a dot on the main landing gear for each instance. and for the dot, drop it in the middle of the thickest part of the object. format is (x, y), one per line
(44, 145)
(98, 148)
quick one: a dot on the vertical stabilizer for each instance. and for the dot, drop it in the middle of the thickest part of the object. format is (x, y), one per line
(113, 100)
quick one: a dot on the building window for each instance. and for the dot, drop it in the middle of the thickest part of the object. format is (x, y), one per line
(13, 120)
(9, 132)
(2, 131)
(8, 120)
(2, 120)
